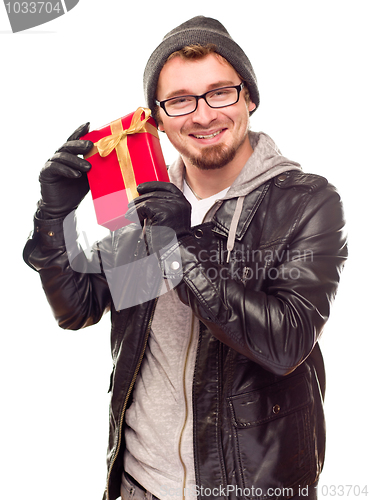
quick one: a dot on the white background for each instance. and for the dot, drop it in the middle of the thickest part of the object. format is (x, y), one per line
(311, 60)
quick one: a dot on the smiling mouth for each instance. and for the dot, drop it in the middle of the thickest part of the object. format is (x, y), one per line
(209, 136)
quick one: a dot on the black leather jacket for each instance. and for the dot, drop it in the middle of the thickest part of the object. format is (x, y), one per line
(259, 378)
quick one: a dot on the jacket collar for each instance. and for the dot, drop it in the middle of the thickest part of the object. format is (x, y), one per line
(223, 216)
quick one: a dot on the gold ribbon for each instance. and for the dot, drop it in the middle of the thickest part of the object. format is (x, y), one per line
(118, 141)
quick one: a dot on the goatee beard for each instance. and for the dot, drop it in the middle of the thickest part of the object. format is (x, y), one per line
(213, 157)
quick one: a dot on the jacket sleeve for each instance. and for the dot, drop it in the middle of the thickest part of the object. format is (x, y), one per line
(277, 323)
(77, 298)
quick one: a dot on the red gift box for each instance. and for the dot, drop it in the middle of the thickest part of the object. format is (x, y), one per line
(126, 153)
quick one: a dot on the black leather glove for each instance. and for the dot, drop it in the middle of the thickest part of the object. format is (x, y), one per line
(165, 210)
(63, 179)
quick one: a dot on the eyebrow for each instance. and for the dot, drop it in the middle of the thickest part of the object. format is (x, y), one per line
(216, 85)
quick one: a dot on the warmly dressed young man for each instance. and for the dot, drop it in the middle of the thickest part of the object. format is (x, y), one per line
(218, 384)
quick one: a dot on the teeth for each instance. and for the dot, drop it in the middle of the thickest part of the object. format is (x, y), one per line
(207, 136)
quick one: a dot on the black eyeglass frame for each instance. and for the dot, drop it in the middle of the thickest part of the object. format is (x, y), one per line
(239, 88)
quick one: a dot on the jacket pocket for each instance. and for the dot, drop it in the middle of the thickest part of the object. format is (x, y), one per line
(272, 432)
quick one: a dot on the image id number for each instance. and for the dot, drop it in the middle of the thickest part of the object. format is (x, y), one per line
(343, 490)
(33, 7)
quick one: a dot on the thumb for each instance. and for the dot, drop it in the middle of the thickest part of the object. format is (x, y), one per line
(79, 132)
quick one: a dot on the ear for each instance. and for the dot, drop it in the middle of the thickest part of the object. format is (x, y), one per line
(160, 127)
(251, 106)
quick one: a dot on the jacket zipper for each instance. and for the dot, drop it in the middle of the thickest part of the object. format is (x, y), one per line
(196, 470)
(128, 395)
(191, 338)
(195, 445)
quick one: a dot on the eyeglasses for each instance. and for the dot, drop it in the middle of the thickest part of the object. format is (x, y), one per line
(186, 104)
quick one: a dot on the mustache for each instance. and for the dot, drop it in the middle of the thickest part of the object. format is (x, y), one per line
(195, 128)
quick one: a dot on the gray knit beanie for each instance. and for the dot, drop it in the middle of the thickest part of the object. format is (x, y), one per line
(199, 30)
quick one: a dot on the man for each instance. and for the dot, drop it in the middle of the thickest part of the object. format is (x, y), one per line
(218, 384)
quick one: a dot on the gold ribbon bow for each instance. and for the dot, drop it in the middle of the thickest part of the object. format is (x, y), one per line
(118, 141)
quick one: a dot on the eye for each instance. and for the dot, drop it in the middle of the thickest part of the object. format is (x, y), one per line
(180, 102)
(221, 93)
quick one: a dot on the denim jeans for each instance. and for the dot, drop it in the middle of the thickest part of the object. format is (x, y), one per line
(131, 490)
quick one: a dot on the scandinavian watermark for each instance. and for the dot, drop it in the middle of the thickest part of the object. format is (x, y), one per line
(136, 274)
(337, 491)
(26, 14)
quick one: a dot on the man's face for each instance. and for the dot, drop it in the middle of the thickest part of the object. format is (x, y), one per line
(208, 138)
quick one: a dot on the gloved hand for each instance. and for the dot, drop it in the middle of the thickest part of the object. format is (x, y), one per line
(63, 179)
(165, 210)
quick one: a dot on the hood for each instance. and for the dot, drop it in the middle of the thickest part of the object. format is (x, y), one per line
(265, 163)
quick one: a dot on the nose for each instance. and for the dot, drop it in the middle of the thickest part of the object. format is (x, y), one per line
(204, 114)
